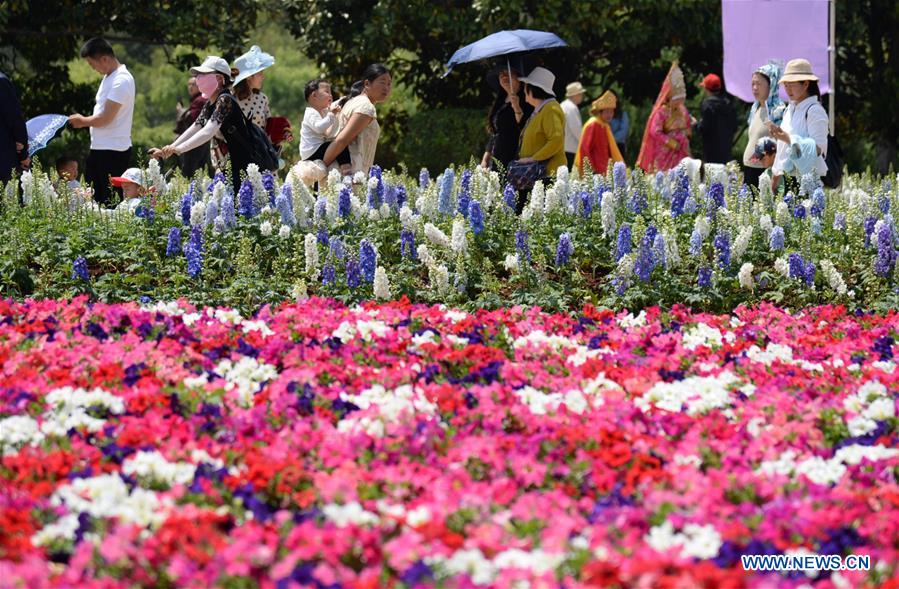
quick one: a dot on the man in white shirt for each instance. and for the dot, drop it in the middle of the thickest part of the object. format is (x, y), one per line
(110, 123)
(574, 96)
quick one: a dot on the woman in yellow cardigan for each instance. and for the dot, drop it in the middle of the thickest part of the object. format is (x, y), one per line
(543, 138)
(597, 143)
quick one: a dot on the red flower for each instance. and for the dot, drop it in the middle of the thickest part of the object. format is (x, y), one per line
(18, 527)
(600, 573)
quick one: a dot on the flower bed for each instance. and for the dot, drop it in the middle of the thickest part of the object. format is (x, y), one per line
(410, 446)
(623, 240)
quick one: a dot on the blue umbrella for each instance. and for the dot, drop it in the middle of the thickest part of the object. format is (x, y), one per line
(504, 43)
(42, 129)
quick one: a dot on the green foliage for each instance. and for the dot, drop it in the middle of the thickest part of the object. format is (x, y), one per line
(620, 44)
(41, 37)
(261, 260)
(434, 139)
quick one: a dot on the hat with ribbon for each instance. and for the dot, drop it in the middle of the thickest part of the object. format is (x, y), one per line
(252, 62)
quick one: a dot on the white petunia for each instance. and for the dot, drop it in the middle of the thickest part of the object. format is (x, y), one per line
(698, 394)
(702, 335)
(18, 431)
(855, 453)
(245, 377)
(350, 513)
(861, 425)
(153, 467)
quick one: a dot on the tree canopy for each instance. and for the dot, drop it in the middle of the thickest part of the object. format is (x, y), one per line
(616, 43)
(39, 37)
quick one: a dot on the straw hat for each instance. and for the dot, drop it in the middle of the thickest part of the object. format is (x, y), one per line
(541, 78)
(798, 70)
(573, 89)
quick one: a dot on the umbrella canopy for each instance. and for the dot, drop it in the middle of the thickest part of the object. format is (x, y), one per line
(504, 43)
(42, 129)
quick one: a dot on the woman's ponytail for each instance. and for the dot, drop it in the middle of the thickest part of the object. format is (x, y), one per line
(356, 89)
(371, 73)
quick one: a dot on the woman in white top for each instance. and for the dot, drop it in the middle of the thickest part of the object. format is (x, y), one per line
(767, 107)
(804, 119)
(359, 128)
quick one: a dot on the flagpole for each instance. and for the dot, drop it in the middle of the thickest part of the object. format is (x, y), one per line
(832, 49)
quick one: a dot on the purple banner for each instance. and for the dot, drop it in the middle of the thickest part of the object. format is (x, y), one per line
(757, 31)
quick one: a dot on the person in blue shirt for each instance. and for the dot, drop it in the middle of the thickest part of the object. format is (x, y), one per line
(620, 125)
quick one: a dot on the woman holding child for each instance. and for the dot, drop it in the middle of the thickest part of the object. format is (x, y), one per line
(359, 128)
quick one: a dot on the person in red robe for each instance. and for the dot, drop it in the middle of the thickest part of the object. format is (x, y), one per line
(597, 143)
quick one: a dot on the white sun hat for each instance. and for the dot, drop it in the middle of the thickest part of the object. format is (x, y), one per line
(252, 62)
(541, 78)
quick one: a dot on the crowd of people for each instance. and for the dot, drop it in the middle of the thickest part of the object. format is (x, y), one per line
(228, 124)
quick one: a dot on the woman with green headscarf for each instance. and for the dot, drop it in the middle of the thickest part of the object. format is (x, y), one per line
(767, 107)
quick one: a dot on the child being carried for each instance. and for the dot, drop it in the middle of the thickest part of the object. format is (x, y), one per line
(320, 126)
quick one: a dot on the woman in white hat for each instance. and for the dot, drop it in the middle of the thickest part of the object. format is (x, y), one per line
(543, 137)
(805, 121)
(220, 118)
(574, 96)
(249, 74)
(251, 68)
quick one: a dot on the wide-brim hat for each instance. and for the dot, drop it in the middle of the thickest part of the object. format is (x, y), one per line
(213, 64)
(252, 62)
(573, 89)
(131, 175)
(541, 78)
(798, 70)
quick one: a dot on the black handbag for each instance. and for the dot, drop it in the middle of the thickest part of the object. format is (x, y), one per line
(523, 175)
(833, 158)
(834, 161)
(254, 141)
